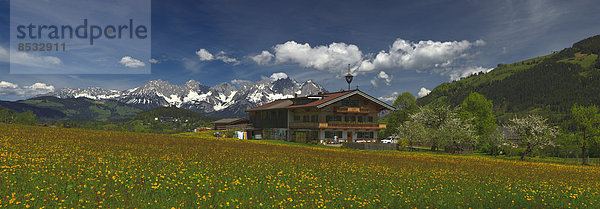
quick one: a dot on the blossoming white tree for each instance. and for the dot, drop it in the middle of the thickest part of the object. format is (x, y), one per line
(412, 131)
(534, 132)
(439, 126)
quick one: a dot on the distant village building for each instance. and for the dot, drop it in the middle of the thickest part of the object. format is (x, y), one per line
(231, 123)
(202, 129)
(346, 116)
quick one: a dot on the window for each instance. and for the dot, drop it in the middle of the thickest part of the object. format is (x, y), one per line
(314, 119)
(350, 103)
(349, 118)
(332, 118)
(296, 118)
(365, 119)
(332, 134)
(364, 135)
(305, 118)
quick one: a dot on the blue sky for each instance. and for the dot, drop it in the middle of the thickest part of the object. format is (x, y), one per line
(393, 46)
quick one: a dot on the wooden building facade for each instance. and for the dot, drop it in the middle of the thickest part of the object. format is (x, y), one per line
(349, 116)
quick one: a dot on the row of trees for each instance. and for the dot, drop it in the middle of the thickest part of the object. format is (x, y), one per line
(9, 116)
(473, 126)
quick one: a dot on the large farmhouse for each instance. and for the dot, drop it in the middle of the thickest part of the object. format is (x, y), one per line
(348, 116)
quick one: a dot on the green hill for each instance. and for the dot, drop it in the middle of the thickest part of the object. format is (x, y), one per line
(79, 109)
(548, 85)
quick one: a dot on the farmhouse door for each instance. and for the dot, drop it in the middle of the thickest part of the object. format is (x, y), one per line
(350, 136)
(300, 136)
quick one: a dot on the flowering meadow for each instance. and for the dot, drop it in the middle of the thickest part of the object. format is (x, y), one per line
(44, 167)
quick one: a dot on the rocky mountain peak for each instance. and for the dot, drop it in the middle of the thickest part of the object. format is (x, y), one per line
(224, 100)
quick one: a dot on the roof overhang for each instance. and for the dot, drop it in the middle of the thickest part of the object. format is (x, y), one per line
(357, 92)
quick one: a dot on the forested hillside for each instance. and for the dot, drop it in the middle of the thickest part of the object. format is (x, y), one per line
(548, 85)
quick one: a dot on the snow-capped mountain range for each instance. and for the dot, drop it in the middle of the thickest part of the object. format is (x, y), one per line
(223, 100)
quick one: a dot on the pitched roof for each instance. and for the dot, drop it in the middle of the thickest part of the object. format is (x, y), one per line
(229, 120)
(325, 99)
(277, 104)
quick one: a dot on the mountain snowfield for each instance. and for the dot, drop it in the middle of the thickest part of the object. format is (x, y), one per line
(223, 100)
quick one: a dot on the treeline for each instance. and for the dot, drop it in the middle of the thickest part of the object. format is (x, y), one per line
(549, 88)
(165, 120)
(25, 118)
(472, 127)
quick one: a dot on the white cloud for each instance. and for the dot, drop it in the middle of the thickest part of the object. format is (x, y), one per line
(421, 55)
(153, 61)
(277, 76)
(333, 58)
(8, 88)
(423, 92)
(401, 55)
(239, 81)
(221, 56)
(5, 84)
(382, 75)
(390, 98)
(130, 62)
(263, 58)
(40, 87)
(204, 55)
(458, 73)
(23, 58)
(385, 76)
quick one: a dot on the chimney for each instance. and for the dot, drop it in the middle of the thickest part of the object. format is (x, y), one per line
(295, 95)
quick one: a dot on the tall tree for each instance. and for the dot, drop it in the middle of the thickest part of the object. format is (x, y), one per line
(457, 135)
(6, 115)
(412, 131)
(587, 120)
(26, 118)
(433, 118)
(476, 106)
(495, 141)
(533, 131)
(405, 105)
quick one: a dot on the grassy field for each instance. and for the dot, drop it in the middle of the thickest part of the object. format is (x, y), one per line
(53, 168)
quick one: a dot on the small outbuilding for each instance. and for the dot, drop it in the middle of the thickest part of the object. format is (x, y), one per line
(231, 123)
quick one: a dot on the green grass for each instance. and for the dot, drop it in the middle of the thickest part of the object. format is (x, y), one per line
(584, 60)
(102, 114)
(127, 111)
(75, 168)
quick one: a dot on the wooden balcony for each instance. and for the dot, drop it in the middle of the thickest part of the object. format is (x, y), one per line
(353, 125)
(376, 126)
(304, 125)
(352, 110)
